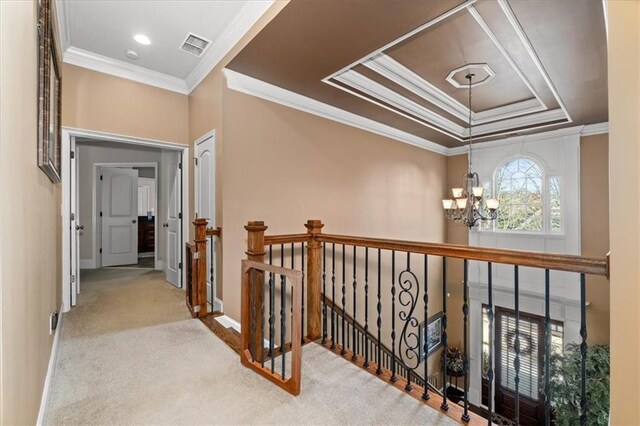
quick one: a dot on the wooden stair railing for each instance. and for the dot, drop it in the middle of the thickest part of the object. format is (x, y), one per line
(373, 342)
(195, 263)
(405, 285)
(252, 336)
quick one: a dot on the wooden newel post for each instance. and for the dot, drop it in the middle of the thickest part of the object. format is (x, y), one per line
(200, 267)
(255, 251)
(314, 280)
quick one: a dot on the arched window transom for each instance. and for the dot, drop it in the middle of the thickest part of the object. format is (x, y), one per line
(519, 185)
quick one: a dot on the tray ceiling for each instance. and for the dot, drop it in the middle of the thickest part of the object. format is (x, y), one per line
(539, 65)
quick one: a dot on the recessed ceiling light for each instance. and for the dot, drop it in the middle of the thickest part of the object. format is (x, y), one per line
(131, 54)
(142, 39)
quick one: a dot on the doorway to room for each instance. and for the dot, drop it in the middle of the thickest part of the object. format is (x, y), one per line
(124, 200)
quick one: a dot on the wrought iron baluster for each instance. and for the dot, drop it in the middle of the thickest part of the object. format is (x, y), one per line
(272, 318)
(302, 331)
(366, 308)
(262, 322)
(333, 296)
(516, 361)
(283, 326)
(423, 337)
(324, 293)
(547, 349)
(211, 271)
(444, 404)
(344, 302)
(583, 350)
(393, 317)
(354, 357)
(465, 313)
(252, 313)
(271, 308)
(491, 348)
(379, 320)
(409, 344)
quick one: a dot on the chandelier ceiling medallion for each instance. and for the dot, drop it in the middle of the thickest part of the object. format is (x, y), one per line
(468, 205)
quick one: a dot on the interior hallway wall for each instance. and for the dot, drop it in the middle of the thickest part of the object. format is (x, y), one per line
(205, 114)
(95, 101)
(30, 231)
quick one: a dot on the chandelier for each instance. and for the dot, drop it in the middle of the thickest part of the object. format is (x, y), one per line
(468, 206)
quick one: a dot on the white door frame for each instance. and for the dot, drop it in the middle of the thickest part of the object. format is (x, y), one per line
(69, 134)
(96, 192)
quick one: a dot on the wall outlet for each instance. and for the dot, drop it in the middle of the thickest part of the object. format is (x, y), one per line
(53, 322)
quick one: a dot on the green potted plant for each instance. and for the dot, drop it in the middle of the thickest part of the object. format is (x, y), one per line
(565, 385)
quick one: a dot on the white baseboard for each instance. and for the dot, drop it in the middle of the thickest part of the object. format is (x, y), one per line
(87, 264)
(227, 322)
(218, 305)
(42, 413)
(150, 254)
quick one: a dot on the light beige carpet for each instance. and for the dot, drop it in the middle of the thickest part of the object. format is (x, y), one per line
(130, 354)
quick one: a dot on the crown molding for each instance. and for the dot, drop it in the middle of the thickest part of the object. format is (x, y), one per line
(62, 14)
(254, 87)
(93, 61)
(248, 16)
(585, 130)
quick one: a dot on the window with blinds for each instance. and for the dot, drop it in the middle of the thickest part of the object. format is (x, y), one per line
(529, 355)
(531, 336)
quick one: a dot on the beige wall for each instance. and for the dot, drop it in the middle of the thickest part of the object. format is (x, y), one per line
(30, 271)
(594, 222)
(624, 179)
(594, 213)
(96, 101)
(205, 114)
(289, 166)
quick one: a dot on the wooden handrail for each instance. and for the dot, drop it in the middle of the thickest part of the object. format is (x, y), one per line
(554, 261)
(248, 330)
(217, 232)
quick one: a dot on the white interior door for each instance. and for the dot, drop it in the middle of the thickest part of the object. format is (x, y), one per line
(172, 226)
(205, 175)
(75, 227)
(119, 216)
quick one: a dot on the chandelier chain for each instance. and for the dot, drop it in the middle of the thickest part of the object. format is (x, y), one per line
(470, 78)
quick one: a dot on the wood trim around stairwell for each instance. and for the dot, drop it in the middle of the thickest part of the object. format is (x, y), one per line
(455, 411)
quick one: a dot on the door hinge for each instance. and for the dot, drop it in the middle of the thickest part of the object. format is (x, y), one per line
(73, 155)
(100, 250)
(73, 216)
(196, 308)
(180, 166)
(196, 255)
(195, 159)
(180, 265)
(180, 215)
(100, 214)
(73, 278)
(100, 177)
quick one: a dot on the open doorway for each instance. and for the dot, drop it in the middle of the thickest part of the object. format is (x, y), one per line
(124, 200)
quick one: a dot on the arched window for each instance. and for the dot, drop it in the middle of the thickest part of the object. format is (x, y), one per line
(526, 197)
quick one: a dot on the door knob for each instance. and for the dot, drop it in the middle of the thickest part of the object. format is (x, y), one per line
(79, 227)
(165, 225)
(134, 221)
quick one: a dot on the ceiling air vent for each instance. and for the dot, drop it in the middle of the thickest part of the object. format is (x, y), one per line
(195, 45)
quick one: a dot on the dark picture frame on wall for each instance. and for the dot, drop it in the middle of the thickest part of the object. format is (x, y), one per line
(49, 96)
(432, 333)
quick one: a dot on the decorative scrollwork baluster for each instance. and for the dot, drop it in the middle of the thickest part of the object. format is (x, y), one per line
(409, 345)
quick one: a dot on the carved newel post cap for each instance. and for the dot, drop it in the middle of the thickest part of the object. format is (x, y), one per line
(255, 225)
(314, 226)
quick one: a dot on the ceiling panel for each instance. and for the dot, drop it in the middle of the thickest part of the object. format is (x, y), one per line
(389, 61)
